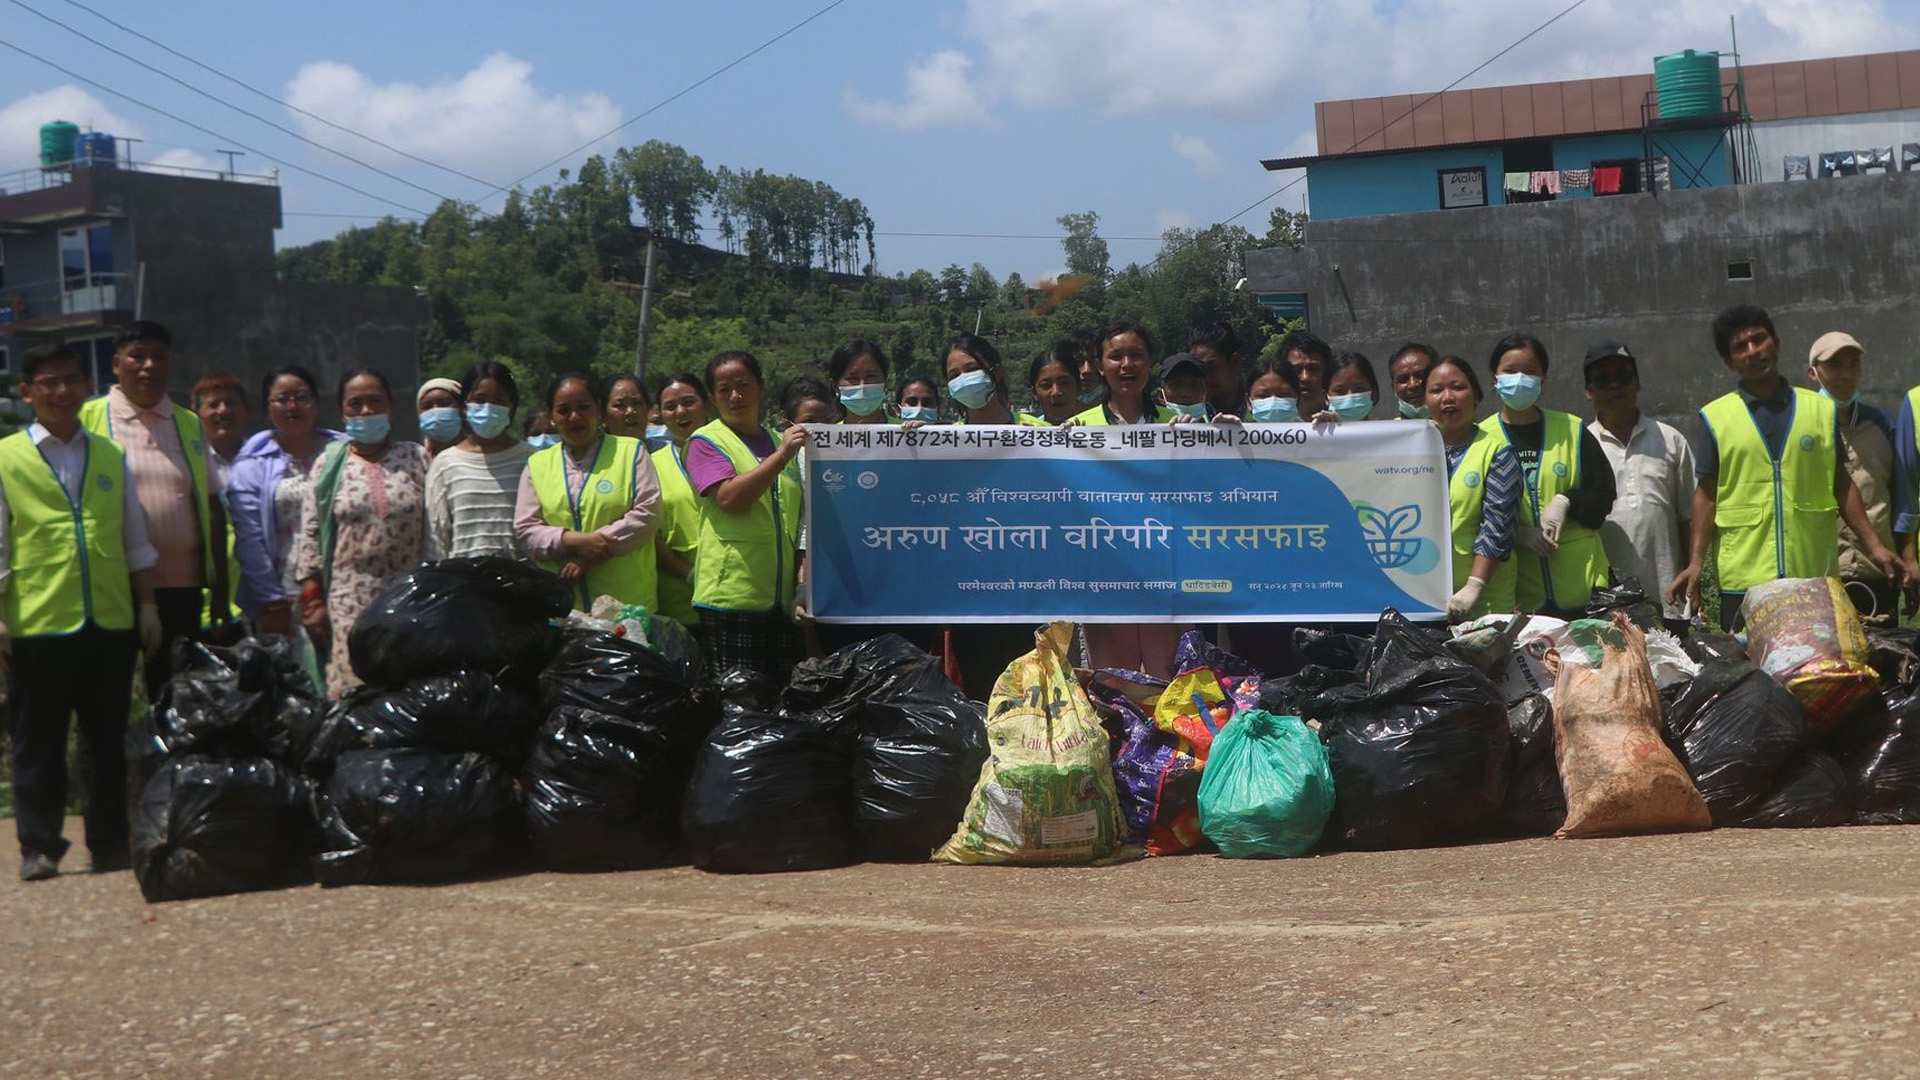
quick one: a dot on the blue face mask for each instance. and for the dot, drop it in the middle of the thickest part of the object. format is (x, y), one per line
(1825, 393)
(1351, 406)
(971, 389)
(541, 442)
(1093, 396)
(1198, 412)
(487, 420)
(1517, 392)
(657, 431)
(863, 400)
(1414, 412)
(1275, 410)
(926, 414)
(370, 430)
(440, 425)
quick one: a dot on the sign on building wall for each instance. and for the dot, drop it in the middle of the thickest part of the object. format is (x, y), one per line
(1463, 187)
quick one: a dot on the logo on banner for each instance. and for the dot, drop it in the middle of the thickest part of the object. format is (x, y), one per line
(1389, 534)
(867, 481)
(834, 479)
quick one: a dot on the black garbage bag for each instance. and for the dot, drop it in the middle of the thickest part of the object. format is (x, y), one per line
(487, 613)
(1894, 653)
(1814, 793)
(456, 712)
(772, 793)
(1536, 803)
(208, 827)
(1334, 649)
(921, 742)
(1288, 696)
(1734, 729)
(1704, 643)
(677, 646)
(603, 793)
(754, 691)
(411, 815)
(1419, 753)
(1879, 747)
(251, 698)
(1625, 594)
(608, 674)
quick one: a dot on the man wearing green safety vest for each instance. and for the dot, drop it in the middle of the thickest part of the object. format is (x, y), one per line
(74, 557)
(1773, 485)
(167, 456)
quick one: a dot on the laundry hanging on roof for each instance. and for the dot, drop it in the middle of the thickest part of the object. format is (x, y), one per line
(1518, 181)
(1606, 180)
(1576, 179)
(1797, 168)
(1546, 183)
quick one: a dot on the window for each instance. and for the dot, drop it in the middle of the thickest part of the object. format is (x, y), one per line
(86, 256)
(1740, 270)
(1529, 156)
(1629, 170)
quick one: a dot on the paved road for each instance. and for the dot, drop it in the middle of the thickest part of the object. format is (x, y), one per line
(1720, 954)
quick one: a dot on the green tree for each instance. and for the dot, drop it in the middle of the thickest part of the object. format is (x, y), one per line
(1286, 228)
(1086, 252)
(670, 186)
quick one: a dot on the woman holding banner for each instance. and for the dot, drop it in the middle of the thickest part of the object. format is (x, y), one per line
(976, 381)
(1352, 387)
(745, 563)
(858, 372)
(1054, 381)
(1126, 363)
(1483, 492)
(1568, 485)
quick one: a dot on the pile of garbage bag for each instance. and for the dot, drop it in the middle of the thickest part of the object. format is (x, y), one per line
(216, 799)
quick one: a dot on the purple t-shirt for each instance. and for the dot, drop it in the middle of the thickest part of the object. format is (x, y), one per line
(707, 467)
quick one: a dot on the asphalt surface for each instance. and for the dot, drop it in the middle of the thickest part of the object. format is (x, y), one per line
(1719, 954)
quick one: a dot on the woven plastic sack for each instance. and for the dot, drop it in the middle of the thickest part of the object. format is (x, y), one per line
(1267, 790)
(1618, 774)
(1046, 793)
(1158, 783)
(1806, 634)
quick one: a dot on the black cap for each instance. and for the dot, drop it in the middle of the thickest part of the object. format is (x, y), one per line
(1172, 364)
(1604, 350)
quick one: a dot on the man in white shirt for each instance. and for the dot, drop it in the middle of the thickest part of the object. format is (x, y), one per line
(1646, 532)
(74, 560)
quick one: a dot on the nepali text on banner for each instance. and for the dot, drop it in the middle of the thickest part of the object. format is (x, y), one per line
(1153, 523)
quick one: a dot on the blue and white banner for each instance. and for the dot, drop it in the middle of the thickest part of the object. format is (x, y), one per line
(1181, 523)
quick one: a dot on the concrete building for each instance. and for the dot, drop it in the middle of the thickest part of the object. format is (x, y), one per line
(1383, 263)
(88, 247)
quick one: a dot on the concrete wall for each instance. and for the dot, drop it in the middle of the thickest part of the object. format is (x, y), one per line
(1838, 254)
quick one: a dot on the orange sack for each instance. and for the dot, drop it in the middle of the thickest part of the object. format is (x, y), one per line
(1618, 773)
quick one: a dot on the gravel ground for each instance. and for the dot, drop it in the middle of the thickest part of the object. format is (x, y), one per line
(1728, 953)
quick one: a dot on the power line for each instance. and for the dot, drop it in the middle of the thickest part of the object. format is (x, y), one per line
(664, 102)
(76, 31)
(317, 118)
(71, 74)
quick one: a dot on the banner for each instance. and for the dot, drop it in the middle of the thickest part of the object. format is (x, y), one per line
(1157, 523)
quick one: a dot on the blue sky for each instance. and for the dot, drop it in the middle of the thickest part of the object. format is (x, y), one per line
(952, 116)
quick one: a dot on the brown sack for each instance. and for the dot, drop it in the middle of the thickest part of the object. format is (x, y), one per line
(1617, 771)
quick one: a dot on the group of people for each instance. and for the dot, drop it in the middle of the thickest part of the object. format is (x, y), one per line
(128, 521)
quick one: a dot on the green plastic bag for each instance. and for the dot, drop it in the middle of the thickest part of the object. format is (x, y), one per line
(1267, 789)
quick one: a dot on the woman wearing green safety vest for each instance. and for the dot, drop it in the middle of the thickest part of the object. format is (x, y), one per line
(1483, 492)
(683, 406)
(746, 564)
(363, 522)
(589, 506)
(1567, 483)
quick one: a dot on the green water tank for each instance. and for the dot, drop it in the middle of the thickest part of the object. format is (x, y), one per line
(1687, 84)
(56, 143)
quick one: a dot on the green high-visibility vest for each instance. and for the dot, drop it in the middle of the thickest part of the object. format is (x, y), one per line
(97, 418)
(1103, 414)
(1566, 579)
(747, 561)
(680, 525)
(69, 562)
(1466, 498)
(1774, 518)
(602, 497)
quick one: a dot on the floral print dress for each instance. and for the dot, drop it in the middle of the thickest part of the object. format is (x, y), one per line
(379, 533)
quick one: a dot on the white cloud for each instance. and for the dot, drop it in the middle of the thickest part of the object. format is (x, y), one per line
(492, 121)
(21, 118)
(939, 93)
(1172, 219)
(1201, 155)
(1249, 58)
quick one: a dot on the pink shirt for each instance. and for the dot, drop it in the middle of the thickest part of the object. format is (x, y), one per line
(541, 540)
(157, 461)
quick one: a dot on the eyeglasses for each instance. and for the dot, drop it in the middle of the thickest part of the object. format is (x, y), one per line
(289, 400)
(55, 382)
(1610, 379)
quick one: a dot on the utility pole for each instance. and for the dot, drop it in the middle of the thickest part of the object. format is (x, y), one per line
(231, 154)
(646, 314)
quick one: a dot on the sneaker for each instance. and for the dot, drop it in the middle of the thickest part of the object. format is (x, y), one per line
(37, 868)
(107, 863)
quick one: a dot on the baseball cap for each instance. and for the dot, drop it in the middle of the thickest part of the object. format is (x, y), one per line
(1179, 361)
(1829, 344)
(1603, 350)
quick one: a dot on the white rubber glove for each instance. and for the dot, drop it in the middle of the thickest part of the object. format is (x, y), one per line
(1554, 518)
(1464, 600)
(1534, 540)
(150, 633)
